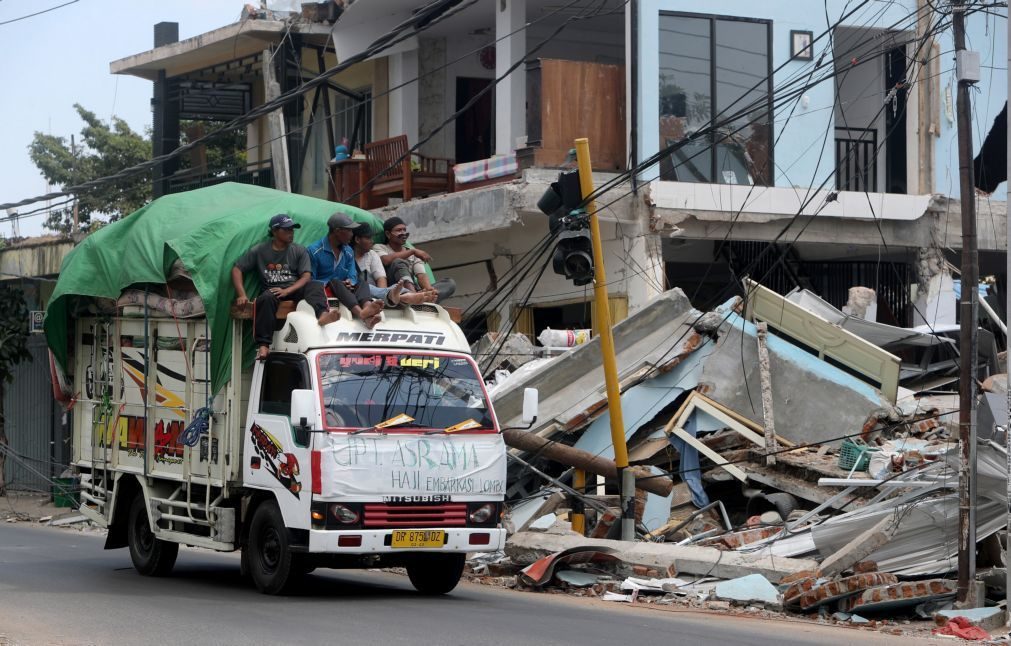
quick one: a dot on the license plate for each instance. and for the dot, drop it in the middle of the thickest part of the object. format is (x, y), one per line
(418, 538)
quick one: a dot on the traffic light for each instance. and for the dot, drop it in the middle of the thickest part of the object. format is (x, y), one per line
(573, 255)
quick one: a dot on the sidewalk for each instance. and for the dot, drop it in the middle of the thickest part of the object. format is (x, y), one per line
(30, 506)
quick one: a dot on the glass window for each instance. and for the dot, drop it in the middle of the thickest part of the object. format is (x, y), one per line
(281, 375)
(715, 70)
(405, 390)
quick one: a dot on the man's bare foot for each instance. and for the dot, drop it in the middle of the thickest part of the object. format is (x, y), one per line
(413, 298)
(394, 295)
(330, 316)
(372, 321)
(262, 352)
(370, 309)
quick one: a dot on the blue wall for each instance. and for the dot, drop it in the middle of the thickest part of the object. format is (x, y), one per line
(802, 139)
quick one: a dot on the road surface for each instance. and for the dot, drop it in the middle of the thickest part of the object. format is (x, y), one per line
(58, 586)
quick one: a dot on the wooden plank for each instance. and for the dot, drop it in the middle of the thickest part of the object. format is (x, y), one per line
(581, 99)
(711, 454)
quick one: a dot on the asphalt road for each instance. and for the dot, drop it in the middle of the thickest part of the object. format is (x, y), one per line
(59, 586)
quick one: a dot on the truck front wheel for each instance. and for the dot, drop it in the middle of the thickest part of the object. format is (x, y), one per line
(435, 573)
(150, 556)
(270, 559)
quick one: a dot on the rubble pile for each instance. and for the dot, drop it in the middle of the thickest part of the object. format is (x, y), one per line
(845, 510)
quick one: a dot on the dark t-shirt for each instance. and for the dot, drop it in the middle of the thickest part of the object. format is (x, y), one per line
(276, 268)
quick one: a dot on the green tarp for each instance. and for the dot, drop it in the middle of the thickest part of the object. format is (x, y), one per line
(208, 229)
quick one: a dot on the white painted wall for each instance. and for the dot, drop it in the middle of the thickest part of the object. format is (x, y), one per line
(632, 261)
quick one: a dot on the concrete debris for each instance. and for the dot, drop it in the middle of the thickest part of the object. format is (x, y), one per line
(541, 571)
(841, 530)
(812, 593)
(528, 547)
(898, 596)
(577, 578)
(66, 520)
(753, 588)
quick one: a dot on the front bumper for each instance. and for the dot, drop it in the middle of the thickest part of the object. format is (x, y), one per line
(374, 541)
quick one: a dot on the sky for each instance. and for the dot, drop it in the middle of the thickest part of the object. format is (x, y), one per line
(56, 59)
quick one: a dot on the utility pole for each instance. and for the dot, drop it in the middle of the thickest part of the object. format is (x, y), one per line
(967, 72)
(625, 476)
(73, 170)
(1007, 338)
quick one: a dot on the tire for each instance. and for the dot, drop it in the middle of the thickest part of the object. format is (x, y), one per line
(271, 562)
(151, 556)
(434, 574)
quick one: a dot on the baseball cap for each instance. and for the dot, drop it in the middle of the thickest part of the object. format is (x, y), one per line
(282, 221)
(341, 221)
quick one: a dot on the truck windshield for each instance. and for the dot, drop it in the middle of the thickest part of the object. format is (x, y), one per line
(421, 390)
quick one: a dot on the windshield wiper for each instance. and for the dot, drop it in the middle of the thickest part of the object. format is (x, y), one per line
(466, 425)
(397, 420)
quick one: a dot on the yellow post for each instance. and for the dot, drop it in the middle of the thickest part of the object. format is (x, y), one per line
(578, 515)
(606, 341)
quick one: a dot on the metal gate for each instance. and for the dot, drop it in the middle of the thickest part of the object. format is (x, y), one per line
(35, 431)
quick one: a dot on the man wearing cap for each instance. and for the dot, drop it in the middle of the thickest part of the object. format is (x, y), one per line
(333, 264)
(401, 262)
(285, 275)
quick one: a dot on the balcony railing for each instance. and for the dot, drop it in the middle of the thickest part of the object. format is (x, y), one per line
(257, 173)
(856, 159)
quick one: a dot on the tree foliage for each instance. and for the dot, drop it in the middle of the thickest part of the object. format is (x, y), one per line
(13, 350)
(103, 149)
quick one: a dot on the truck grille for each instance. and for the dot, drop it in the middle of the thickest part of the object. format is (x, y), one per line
(444, 514)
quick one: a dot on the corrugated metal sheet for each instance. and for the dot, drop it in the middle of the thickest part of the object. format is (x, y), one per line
(34, 424)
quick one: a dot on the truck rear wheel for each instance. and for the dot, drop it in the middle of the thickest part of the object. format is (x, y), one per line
(151, 556)
(270, 559)
(435, 573)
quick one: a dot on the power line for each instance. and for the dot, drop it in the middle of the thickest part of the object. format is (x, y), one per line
(424, 18)
(39, 13)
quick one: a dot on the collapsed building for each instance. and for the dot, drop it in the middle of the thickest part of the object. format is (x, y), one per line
(811, 446)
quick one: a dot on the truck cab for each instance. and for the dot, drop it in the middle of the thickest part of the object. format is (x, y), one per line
(377, 447)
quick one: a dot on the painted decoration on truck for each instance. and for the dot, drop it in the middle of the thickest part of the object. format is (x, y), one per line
(283, 466)
(462, 467)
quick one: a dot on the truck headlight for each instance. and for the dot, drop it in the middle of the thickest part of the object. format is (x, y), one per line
(482, 514)
(343, 514)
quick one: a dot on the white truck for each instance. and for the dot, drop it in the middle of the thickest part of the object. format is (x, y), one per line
(345, 448)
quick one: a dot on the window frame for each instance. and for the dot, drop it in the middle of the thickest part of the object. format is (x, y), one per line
(712, 18)
(282, 358)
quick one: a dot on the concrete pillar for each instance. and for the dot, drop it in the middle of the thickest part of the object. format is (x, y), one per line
(511, 92)
(432, 95)
(404, 101)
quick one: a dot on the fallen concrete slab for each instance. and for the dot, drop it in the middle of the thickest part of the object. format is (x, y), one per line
(822, 592)
(528, 547)
(899, 595)
(576, 380)
(753, 588)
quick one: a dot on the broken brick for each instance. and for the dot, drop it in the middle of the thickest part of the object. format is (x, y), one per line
(833, 590)
(906, 593)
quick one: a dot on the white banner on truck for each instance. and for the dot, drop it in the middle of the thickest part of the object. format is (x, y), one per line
(394, 465)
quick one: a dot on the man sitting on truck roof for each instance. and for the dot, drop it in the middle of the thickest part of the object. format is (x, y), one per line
(285, 275)
(333, 265)
(372, 271)
(401, 262)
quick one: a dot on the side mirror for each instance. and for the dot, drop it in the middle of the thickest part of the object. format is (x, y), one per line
(303, 409)
(530, 405)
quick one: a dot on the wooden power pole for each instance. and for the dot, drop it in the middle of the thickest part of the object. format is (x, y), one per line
(967, 71)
